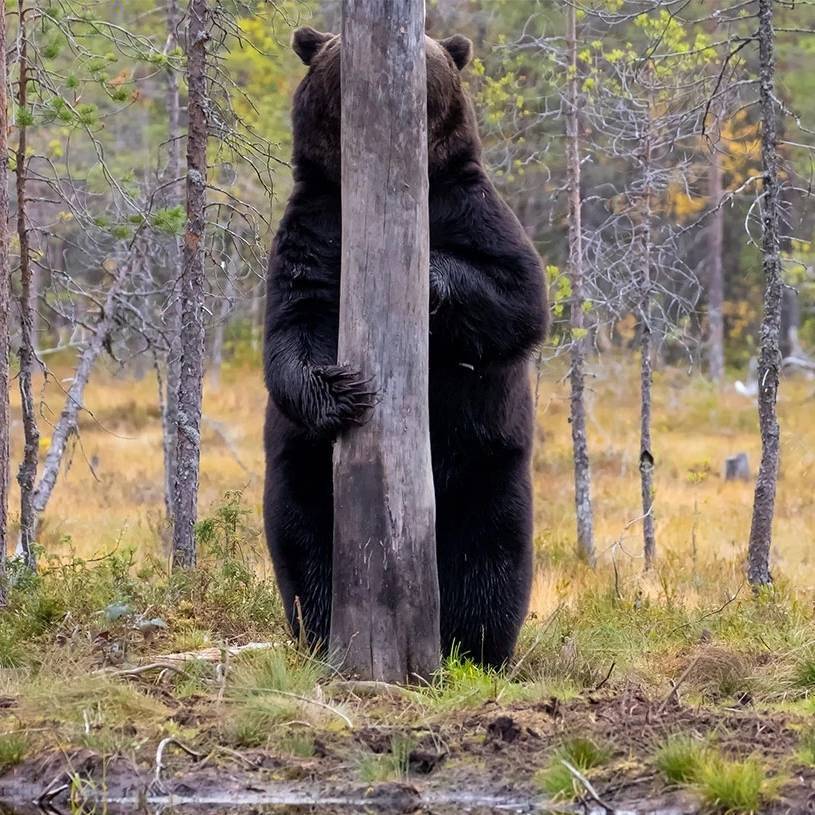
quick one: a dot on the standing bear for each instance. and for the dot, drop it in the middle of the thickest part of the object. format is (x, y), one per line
(487, 313)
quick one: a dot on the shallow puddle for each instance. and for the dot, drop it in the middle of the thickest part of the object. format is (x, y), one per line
(295, 802)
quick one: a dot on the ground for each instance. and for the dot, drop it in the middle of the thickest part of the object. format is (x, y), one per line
(681, 688)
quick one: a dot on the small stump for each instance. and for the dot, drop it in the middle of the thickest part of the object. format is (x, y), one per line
(737, 468)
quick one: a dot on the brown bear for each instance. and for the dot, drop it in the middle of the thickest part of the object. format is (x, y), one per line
(487, 313)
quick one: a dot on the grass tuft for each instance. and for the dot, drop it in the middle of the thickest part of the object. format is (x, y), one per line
(13, 749)
(681, 759)
(374, 768)
(806, 748)
(460, 683)
(734, 786)
(557, 781)
(269, 688)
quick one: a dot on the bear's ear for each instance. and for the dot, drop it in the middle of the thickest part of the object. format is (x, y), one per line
(307, 41)
(459, 48)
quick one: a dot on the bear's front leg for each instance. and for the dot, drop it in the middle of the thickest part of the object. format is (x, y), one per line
(323, 399)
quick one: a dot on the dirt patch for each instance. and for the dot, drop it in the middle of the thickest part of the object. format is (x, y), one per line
(484, 760)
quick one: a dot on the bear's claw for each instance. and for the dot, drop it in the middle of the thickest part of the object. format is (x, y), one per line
(343, 398)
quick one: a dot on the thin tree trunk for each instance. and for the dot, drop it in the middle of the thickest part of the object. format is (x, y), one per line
(67, 423)
(5, 309)
(715, 295)
(385, 607)
(227, 304)
(769, 365)
(646, 462)
(790, 324)
(27, 473)
(173, 319)
(256, 317)
(190, 386)
(582, 467)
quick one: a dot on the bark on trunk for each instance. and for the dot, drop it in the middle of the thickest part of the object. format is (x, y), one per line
(385, 612)
(5, 309)
(715, 295)
(582, 467)
(769, 365)
(188, 426)
(173, 319)
(27, 472)
(646, 462)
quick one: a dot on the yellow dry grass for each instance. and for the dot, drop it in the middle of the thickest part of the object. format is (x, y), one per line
(699, 517)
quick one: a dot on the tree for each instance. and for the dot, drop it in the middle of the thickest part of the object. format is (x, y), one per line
(769, 365)
(5, 310)
(27, 473)
(715, 288)
(577, 417)
(385, 611)
(190, 383)
(172, 362)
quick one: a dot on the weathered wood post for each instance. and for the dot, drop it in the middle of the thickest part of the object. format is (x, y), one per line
(385, 612)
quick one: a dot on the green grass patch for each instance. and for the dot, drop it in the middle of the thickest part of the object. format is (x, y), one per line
(806, 748)
(681, 759)
(557, 780)
(13, 749)
(374, 768)
(460, 683)
(734, 786)
(269, 688)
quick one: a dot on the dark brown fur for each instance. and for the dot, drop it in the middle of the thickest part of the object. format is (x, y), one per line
(487, 311)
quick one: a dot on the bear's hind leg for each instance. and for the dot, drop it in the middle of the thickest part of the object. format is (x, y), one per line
(484, 543)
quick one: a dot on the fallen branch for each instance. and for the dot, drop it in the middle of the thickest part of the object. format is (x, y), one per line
(371, 688)
(307, 701)
(587, 785)
(177, 660)
(683, 676)
(163, 745)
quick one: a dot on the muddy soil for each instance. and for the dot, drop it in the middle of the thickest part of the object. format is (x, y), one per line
(480, 761)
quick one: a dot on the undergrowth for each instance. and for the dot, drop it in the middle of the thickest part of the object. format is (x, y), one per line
(689, 634)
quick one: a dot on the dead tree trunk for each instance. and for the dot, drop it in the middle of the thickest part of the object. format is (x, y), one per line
(769, 364)
(5, 309)
(175, 252)
(646, 462)
(27, 472)
(385, 612)
(67, 423)
(190, 386)
(715, 294)
(577, 416)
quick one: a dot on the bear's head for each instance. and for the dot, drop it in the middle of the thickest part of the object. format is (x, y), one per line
(451, 124)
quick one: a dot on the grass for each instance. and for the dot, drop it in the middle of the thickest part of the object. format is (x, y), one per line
(558, 781)
(104, 580)
(681, 759)
(734, 786)
(806, 748)
(269, 688)
(13, 749)
(393, 765)
(723, 784)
